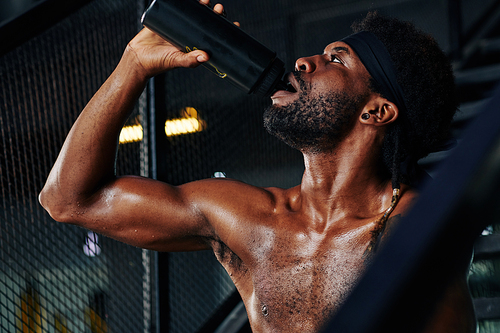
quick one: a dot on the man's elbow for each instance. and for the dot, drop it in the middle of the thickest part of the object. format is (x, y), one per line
(53, 205)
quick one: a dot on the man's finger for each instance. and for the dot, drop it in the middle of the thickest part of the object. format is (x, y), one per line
(219, 9)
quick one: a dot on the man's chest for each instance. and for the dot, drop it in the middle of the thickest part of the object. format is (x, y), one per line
(297, 278)
(308, 286)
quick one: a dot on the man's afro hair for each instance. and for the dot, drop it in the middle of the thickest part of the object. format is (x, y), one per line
(425, 75)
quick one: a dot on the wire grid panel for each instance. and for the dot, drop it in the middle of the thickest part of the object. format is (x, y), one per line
(54, 277)
(198, 285)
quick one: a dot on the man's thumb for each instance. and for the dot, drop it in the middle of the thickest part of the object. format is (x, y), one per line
(200, 56)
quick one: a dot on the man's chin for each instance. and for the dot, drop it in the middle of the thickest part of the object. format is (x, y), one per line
(289, 137)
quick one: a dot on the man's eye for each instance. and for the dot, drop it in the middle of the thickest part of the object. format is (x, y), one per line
(335, 59)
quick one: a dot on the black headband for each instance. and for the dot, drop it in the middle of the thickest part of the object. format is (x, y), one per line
(373, 54)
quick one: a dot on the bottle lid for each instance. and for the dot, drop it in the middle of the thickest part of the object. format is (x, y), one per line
(265, 86)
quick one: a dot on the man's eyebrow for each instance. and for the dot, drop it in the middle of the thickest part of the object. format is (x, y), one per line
(341, 49)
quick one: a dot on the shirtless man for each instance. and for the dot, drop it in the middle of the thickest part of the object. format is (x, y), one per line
(293, 254)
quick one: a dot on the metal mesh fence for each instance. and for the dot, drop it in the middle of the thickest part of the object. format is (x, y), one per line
(54, 277)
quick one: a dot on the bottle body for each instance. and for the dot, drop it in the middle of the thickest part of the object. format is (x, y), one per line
(234, 55)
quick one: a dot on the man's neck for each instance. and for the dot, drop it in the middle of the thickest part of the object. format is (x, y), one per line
(344, 182)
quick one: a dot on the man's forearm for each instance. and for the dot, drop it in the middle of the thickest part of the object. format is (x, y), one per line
(86, 161)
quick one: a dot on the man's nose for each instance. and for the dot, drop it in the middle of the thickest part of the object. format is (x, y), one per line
(306, 64)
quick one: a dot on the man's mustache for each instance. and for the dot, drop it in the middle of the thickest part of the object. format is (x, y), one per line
(302, 84)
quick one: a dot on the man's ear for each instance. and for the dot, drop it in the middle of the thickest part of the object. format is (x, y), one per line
(379, 111)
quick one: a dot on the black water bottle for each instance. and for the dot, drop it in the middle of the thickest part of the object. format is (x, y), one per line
(234, 55)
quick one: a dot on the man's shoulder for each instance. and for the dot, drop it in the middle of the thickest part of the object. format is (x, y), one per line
(237, 195)
(237, 212)
(232, 187)
(240, 185)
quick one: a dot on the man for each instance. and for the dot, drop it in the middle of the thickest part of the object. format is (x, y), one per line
(294, 254)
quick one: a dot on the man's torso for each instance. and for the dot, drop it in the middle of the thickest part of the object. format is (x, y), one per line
(292, 277)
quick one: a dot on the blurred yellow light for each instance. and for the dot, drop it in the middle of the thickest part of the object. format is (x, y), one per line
(188, 124)
(131, 134)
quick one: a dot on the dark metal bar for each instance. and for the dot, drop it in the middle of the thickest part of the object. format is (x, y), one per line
(455, 33)
(478, 75)
(485, 21)
(35, 21)
(487, 247)
(420, 258)
(235, 321)
(487, 308)
(150, 131)
(222, 312)
(159, 144)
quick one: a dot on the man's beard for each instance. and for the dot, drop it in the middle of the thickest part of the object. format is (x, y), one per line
(312, 124)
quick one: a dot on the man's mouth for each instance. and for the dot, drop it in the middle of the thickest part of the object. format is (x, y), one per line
(290, 87)
(286, 89)
(289, 83)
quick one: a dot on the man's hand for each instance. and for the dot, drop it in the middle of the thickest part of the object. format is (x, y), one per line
(154, 55)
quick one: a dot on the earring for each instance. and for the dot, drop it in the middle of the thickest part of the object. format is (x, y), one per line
(365, 116)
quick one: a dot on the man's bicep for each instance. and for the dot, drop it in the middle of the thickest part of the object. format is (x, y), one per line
(146, 213)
